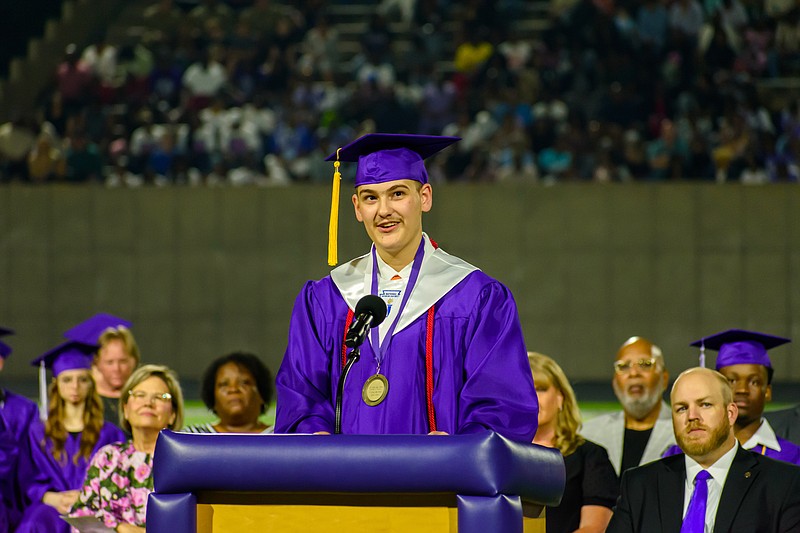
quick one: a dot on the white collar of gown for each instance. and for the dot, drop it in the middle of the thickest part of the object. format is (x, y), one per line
(439, 273)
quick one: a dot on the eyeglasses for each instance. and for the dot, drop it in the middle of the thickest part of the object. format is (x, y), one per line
(142, 396)
(644, 365)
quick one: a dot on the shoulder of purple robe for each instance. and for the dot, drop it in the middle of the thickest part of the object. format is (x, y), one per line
(498, 391)
(672, 450)
(18, 413)
(302, 382)
(109, 433)
(790, 452)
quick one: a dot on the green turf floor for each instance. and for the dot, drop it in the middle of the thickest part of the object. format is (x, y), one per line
(196, 413)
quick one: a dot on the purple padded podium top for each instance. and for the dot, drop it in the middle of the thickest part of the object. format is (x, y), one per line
(482, 464)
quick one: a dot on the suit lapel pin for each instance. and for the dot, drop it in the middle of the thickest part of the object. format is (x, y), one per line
(747, 474)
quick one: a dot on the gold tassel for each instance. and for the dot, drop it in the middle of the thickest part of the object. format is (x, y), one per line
(333, 226)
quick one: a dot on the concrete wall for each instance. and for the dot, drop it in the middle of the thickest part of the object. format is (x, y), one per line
(202, 272)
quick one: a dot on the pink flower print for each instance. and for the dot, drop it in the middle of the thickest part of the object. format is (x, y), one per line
(82, 511)
(102, 461)
(139, 497)
(109, 520)
(120, 481)
(105, 494)
(124, 503)
(142, 472)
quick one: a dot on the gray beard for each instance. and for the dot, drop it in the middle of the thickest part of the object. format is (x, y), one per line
(638, 408)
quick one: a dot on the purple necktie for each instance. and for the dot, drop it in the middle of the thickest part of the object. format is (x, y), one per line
(695, 519)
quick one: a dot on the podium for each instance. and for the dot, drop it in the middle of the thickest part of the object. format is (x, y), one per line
(477, 483)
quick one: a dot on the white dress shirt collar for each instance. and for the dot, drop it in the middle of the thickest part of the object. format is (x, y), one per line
(386, 272)
(764, 436)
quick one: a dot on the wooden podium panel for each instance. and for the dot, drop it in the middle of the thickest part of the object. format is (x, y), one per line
(335, 513)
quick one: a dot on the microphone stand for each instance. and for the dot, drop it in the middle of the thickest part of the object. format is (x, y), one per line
(354, 356)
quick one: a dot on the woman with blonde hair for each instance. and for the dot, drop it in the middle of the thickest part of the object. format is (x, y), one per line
(60, 448)
(120, 476)
(592, 486)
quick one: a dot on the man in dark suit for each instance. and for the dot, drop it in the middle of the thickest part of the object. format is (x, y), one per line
(744, 491)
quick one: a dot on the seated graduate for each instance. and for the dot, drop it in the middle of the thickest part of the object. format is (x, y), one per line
(592, 486)
(120, 476)
(116, 357)
(744, 360)
(237, 388)
(59, 449)
(450, 356)
(17, 413)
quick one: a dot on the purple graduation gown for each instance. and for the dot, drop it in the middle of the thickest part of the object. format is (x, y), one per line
(790, 452)
(17, 413)
(42, 473)
(482, 379)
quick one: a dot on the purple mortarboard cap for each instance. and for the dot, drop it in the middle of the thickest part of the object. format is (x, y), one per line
(70, 355)
(738, 346)
(5, 349)
(89, 331)
(385, 157)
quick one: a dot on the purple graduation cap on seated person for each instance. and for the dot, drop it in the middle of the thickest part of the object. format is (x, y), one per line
(89, 331)
(381, 157)
(70, 355)
(738, 346)
(5, 349)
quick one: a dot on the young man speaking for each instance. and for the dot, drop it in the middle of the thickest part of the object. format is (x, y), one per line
(450, 355)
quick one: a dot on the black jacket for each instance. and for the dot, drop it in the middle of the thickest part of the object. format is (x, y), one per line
(760, 495)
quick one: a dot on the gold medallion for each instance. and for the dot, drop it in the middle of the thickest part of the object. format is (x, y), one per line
(375, 390)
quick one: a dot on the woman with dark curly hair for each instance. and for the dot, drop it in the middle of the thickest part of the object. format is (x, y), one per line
(237, 388)
(60, 447)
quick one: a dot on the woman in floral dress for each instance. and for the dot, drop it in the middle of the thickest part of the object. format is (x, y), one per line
(120, 475)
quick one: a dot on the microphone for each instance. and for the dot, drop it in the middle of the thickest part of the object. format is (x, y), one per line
(370, 312)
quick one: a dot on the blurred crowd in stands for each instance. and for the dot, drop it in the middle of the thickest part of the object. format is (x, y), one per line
(260, 92)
